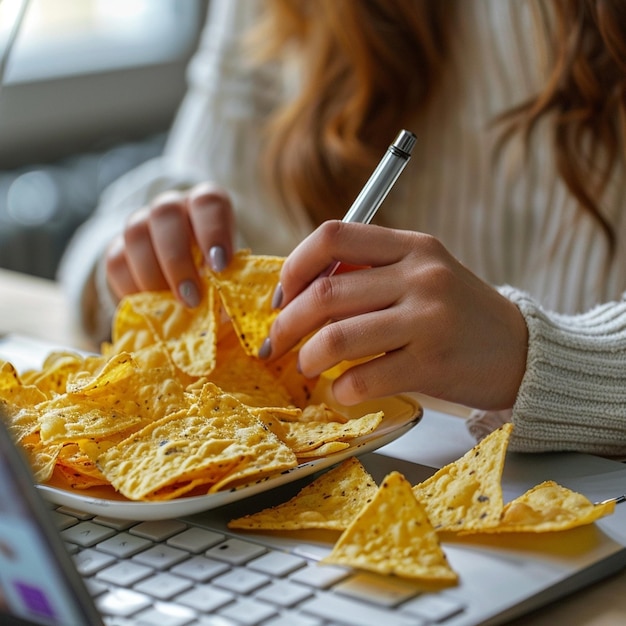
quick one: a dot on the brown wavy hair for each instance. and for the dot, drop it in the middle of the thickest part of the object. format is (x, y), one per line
(360, 54)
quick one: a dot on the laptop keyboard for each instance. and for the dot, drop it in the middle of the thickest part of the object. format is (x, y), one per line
(169, 573)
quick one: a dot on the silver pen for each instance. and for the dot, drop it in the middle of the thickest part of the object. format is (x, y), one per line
(366, 204)
(379, 184)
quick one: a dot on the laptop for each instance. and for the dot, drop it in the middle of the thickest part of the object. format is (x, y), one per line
(60, 566)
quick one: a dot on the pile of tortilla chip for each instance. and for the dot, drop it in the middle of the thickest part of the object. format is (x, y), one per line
(178, 402)
(395, 528)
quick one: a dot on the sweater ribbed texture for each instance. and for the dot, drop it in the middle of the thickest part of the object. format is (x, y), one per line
(573, 395)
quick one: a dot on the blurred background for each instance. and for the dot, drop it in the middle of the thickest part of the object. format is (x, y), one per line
(90, 89)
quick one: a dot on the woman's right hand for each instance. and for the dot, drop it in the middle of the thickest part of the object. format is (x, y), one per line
(155, 249)
(414, 319)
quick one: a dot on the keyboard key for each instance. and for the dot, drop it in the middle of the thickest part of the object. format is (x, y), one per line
(277, 563)
(95, 587)
(161, 556)
(162, 614)
(214, 620)
(312, 552)
(62, 521)
(319, 576)
(293, 620)
(200, 569)
(86, 534)
(114, 522)
(205, 598)
(77, 513)
(163, 586)
(195, 540)
(434, 607)
(124, 573)
(249, 612)
(283, 593)
(381, 590)
(158, 530)
(346, 611)
(90, 561)
(236, 551)
(240, 580)
(122, 602)
(124, 545)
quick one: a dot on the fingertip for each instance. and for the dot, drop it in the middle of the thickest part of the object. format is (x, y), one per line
(169, 196)
(265, 351)
(277, 298)
(115, 250)
(218, 260)
(189, 293)
(342, 393)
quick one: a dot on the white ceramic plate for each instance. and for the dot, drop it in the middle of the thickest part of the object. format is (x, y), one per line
(401, 414)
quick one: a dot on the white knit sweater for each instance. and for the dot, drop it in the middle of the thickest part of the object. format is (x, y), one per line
(514, 225)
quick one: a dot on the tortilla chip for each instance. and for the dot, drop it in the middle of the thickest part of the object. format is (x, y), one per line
(14, 391)
(122, 395)
(307, 436)
(22, 422)
(246, 288)
(42, 457)
(330, 502)
(467, 494)
(248, 379)
(332, 447)
(299, 387)
(549, 507)
(215, 435)
(189, 335)
(392, 535)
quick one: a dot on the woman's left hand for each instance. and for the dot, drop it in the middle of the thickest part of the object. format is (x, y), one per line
(430, 325)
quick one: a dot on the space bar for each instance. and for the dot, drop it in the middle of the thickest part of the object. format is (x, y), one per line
(337, 609)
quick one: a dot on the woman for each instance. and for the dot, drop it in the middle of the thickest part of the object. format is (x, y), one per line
(516, 181)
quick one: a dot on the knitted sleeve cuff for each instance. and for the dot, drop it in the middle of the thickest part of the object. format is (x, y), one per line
(573, 394)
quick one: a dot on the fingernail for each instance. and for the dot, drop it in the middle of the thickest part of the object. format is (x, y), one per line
(189, 293)
(277, 298)
(217, 258)
(266, 349)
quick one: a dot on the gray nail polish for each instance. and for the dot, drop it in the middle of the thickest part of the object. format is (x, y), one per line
(266, 349)
(217, 258)
(189, 293)
(277, 298)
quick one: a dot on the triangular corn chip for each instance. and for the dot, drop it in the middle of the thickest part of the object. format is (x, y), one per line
(467, 494)
(190, 335)
(549, 507)
(330, 501)
(392, 535)
(246, 288)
